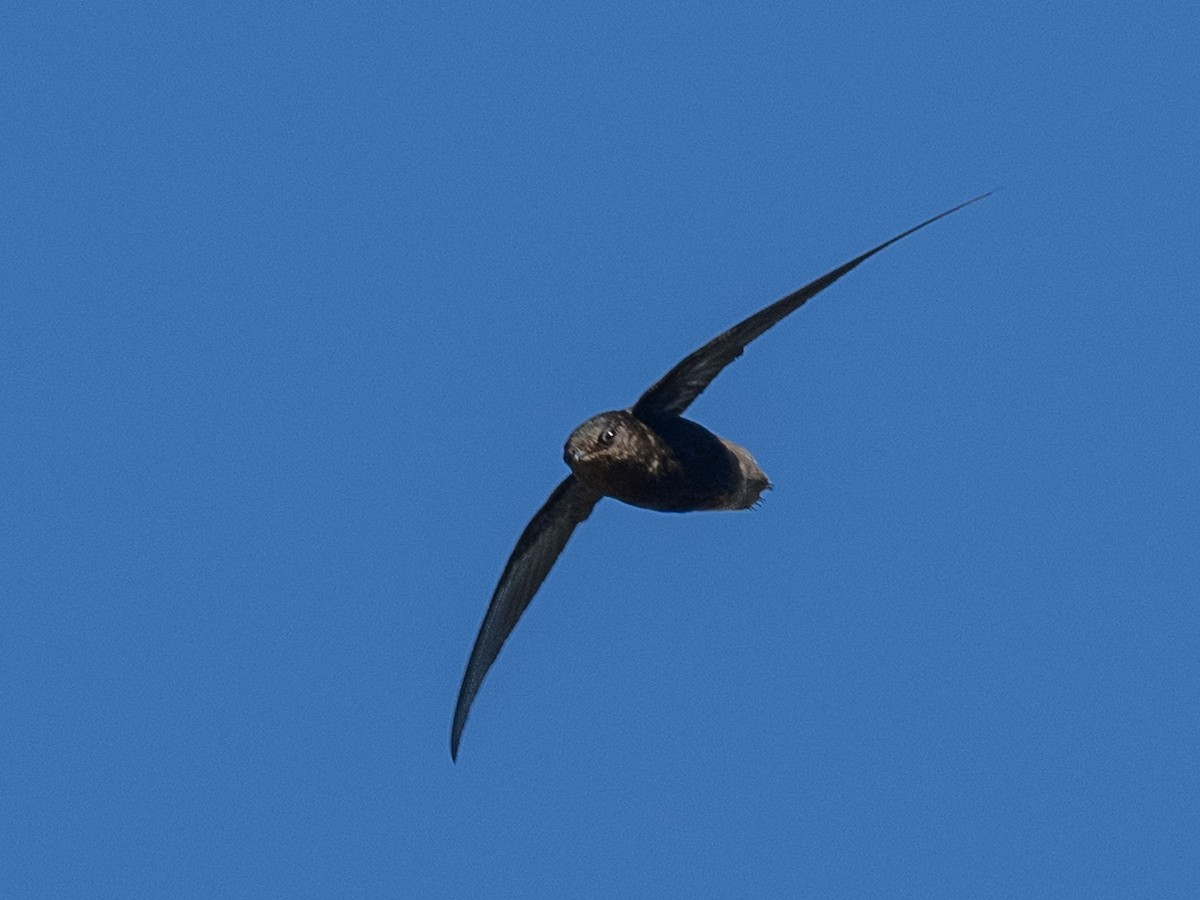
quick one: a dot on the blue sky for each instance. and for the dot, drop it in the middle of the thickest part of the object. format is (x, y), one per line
(300, 302)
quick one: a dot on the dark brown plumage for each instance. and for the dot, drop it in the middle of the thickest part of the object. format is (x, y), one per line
(648, 456)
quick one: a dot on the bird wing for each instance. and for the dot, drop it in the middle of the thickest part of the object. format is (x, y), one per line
(538, 547)
(675, 391)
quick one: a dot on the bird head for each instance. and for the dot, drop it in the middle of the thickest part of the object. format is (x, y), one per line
(601, 436)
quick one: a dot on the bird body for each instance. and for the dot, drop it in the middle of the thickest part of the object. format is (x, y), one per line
(669, 464)
(647, 455)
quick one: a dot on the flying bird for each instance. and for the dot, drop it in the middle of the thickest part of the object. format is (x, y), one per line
(647, 455)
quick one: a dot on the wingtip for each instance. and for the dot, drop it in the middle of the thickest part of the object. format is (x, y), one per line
(965, 203)
(983, 196)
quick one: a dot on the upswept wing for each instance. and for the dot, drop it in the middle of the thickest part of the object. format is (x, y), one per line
(676, 390)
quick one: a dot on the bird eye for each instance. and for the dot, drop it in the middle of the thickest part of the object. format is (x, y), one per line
(608, 435)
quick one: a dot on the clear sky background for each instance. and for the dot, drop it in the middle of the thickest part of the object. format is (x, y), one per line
(299, 302)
